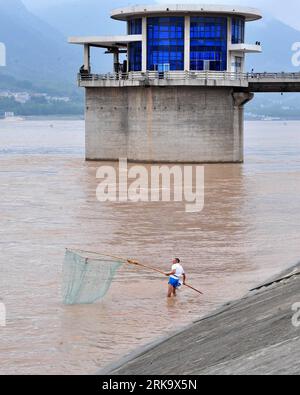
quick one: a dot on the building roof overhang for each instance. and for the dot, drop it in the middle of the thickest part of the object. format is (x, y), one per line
(108, 42)
(123, 14)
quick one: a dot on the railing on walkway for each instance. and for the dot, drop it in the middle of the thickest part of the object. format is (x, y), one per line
(188, 75)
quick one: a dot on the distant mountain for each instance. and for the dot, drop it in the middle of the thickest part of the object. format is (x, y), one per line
(92, 17)
(277, 40)
(86, 18)
(36, 51)
(37, 46)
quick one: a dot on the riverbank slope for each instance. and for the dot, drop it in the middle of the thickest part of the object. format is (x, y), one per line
(254, 335)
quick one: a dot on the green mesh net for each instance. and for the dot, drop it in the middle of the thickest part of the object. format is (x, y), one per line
(87, 276)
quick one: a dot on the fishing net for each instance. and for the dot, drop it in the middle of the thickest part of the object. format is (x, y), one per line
(87, 276)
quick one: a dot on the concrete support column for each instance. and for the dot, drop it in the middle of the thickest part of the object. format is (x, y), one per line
(87, 58)
(116, 57)
(185, 124)
(144, 44)
(187, 42)
(242, 98)
(239, 101)
(116, 61)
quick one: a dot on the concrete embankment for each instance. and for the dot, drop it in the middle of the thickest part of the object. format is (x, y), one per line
(253, 335)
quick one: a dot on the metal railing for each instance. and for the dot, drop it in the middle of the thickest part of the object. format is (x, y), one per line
(187, 75)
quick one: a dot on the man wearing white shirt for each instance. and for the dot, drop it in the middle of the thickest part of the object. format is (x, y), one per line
(175, 276)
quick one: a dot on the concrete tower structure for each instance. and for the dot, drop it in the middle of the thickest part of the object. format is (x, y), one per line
(179, 96)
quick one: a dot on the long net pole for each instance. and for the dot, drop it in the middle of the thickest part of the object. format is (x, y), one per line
(136, 263)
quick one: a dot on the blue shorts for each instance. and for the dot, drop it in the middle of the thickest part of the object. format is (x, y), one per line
(174, 282)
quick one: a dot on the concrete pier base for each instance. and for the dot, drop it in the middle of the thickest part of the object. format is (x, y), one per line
(165, 124)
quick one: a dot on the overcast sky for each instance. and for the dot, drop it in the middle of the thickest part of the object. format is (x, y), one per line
(288, 11)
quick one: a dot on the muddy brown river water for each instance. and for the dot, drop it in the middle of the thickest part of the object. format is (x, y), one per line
(249, 230)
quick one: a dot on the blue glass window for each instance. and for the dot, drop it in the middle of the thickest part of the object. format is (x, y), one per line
(135, 56)
(165, 43)
(135, 48)
(208, 43)
(135, 26)
(238, 30)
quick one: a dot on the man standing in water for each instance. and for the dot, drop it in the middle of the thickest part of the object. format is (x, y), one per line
(175, 275)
